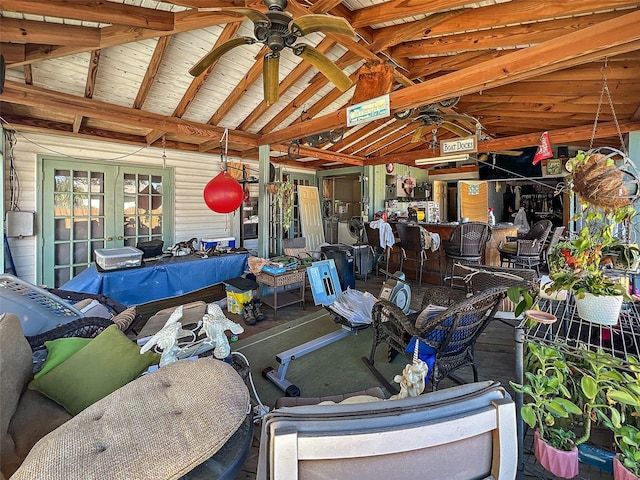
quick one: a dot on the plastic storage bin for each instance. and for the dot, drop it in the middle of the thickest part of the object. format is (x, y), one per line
(223, 242)
(239, 292)
(115, 258)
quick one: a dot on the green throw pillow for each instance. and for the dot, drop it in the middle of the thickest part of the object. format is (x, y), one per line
(59, 350)
(107, 363)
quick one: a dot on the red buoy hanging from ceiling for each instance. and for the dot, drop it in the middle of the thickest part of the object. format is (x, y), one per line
(223, 193)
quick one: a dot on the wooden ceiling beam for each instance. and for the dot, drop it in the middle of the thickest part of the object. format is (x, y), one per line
(31, 31)
(524, 11)
(241, 88)
(386, 37)
(559, 136)
(196, 84)
(94, 11)
(152, 71)
(398, 9)
(502, 37)
(321, 154)
(74, 105)
(355, 136)
(94, 63)
(599, 41)
(290, 80)
(118, 35)
(12, 52)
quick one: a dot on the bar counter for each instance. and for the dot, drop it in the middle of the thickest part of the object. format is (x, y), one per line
(499, 233)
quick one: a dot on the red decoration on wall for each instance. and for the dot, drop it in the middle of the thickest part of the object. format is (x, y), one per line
(223, 193)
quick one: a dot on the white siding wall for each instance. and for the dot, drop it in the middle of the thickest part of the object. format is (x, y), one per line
(192, 172)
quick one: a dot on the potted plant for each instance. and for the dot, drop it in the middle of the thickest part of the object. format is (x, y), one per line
(576, 265)
(549, 404)
(624, 256)
(626, 464)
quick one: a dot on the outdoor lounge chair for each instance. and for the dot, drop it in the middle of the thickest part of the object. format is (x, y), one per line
(462, 432)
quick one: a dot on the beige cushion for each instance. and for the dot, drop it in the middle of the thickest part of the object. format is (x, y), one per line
(15, 371)
(509, 247)
(124, 318)
(159, 426)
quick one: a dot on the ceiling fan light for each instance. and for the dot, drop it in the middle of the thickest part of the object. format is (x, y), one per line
(324, 65)
(321, 23)
(270, 78)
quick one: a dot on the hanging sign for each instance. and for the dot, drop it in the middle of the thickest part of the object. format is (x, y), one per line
(544, 149)
(459, 145)
(368, 111)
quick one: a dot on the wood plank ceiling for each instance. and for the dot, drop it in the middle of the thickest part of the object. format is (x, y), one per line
(118, 71)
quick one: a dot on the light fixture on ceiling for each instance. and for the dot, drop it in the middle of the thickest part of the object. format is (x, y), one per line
(443, 159)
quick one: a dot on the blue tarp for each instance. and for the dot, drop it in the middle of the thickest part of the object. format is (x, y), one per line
(162, 278)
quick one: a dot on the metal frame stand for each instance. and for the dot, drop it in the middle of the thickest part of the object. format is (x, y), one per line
(285, 357)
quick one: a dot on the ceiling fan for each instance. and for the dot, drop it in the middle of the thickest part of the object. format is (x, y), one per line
(278, 29)
(431, 115)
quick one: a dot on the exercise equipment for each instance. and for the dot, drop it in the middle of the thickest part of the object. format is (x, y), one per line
(325, 287)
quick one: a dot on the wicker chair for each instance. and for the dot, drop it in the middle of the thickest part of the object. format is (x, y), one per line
(466, 245)
(525, 251)
(451, 334)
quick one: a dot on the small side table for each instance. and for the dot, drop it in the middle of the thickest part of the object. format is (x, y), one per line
(282, 299)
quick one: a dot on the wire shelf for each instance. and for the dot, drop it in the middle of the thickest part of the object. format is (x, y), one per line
(573, 335)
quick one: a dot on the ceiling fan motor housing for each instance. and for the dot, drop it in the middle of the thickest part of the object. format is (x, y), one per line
(276, 35)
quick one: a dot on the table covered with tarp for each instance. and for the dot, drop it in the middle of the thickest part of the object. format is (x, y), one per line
(162, 278)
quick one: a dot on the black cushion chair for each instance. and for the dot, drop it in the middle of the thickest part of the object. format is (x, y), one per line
(526, 250)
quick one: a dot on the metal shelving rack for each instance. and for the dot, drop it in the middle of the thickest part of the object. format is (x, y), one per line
(574, 335)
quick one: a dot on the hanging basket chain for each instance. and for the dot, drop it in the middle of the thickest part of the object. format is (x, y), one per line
(605, 89)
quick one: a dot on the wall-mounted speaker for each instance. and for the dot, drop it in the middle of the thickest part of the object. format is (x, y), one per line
(563, 152)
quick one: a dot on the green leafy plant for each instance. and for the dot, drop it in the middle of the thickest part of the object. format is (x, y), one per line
(576, 264)
(627, 439)
(549, 398)
(625, 255)
(523, 297)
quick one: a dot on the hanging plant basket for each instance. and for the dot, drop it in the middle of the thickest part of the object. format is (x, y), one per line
(600, 309)
(599, 178)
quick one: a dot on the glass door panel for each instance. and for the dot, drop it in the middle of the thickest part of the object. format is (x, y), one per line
(87, 206)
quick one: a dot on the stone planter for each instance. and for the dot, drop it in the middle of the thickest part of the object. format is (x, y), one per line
(603, 310)
(621, 473)
(561, 463)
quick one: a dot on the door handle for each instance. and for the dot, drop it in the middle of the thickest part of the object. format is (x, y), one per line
(109, 239)
(120, 237)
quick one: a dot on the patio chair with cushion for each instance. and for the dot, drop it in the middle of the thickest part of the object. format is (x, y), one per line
(446, 337)
(417, 437)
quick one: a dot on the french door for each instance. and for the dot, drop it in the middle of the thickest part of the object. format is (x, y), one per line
(91, 205)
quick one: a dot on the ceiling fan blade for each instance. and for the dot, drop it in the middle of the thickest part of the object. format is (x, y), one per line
(417, 135)
(270, 77)
(256, 16)
(217, 52)
(321, 23)
(326, 66)
(455, 129)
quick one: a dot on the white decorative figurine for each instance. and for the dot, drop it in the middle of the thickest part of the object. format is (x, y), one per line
(412, 380)
(167, 338)
(214, 324)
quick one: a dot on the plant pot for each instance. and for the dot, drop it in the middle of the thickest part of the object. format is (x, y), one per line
(559, 295)
(601, 309)
(561, 463)
(620, 472)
